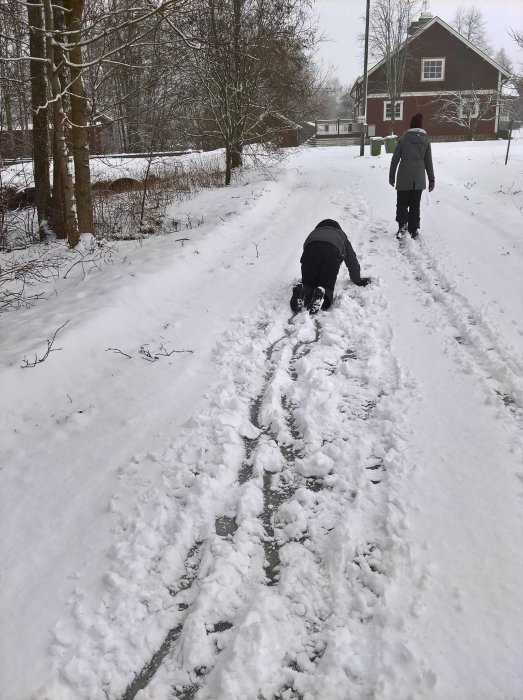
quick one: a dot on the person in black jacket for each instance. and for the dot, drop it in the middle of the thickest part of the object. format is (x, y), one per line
(323, 252)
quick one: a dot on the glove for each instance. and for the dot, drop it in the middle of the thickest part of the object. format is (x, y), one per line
(364, 281)
(391, 181)
(431, 185)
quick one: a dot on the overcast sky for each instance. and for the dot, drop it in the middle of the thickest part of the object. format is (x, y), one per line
(344, 20)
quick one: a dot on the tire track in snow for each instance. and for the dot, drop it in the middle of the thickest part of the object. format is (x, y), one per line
(142, 679)
(309, 511)
(476, 342)
(227, 526)
(293, 525)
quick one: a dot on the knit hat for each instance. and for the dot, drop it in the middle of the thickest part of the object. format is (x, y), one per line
(417, 121)
(328, 222)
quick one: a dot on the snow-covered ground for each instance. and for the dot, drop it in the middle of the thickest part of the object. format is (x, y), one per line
(19, 176)
(205, 497)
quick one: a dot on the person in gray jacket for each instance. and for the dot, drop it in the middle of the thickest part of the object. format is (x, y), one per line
(323, 252)
(414, 155)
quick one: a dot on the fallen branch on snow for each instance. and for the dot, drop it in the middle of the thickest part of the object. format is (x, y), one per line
(49, 350)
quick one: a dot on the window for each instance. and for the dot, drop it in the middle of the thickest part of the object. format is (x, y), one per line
(432, 68)
(469, 108)
(398, 111)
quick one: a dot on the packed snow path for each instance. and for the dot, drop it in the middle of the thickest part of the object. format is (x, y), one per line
(340, 512)
(295, 505)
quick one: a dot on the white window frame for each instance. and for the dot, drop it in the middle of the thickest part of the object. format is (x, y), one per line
(472, 115)
(426, 60)
(398, 106)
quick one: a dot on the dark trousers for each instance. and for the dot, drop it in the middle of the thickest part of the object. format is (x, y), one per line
(407, 209)
(320, 264)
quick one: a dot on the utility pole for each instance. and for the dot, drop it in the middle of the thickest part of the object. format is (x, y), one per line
(509, 139)
(365, 75)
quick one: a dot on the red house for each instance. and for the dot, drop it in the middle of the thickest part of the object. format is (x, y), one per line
(450, 81)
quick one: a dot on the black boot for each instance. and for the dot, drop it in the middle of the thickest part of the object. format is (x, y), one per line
(316, 300)
(401, 232)
(297, 298)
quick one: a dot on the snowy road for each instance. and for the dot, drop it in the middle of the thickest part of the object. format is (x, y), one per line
(300, 508)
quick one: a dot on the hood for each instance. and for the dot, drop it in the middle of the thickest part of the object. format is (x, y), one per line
(416, 135)
(328, 228)
(328, 223)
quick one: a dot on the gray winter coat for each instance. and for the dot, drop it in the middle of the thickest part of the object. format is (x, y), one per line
(338, 238)
(414, 155)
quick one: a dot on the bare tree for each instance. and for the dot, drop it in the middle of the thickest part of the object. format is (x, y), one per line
(388, 32)
(469, 23)
(74, 10)
(517, 36)
(503, 59)
(467, 108)
(138, 90)
(60, 33)
(40, 113)
(65, 221)
(117, 85)
(14, 102)
(248, 69)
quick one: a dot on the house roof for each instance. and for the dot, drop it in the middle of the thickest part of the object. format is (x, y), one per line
(424, 27)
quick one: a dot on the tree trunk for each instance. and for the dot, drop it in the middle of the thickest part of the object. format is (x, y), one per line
(5, 96)
(228, 164)
(40, 116)
(79, 114)
(236, 156)
(58, 223)
(63, 187)
(392, 116)
(236, 146)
